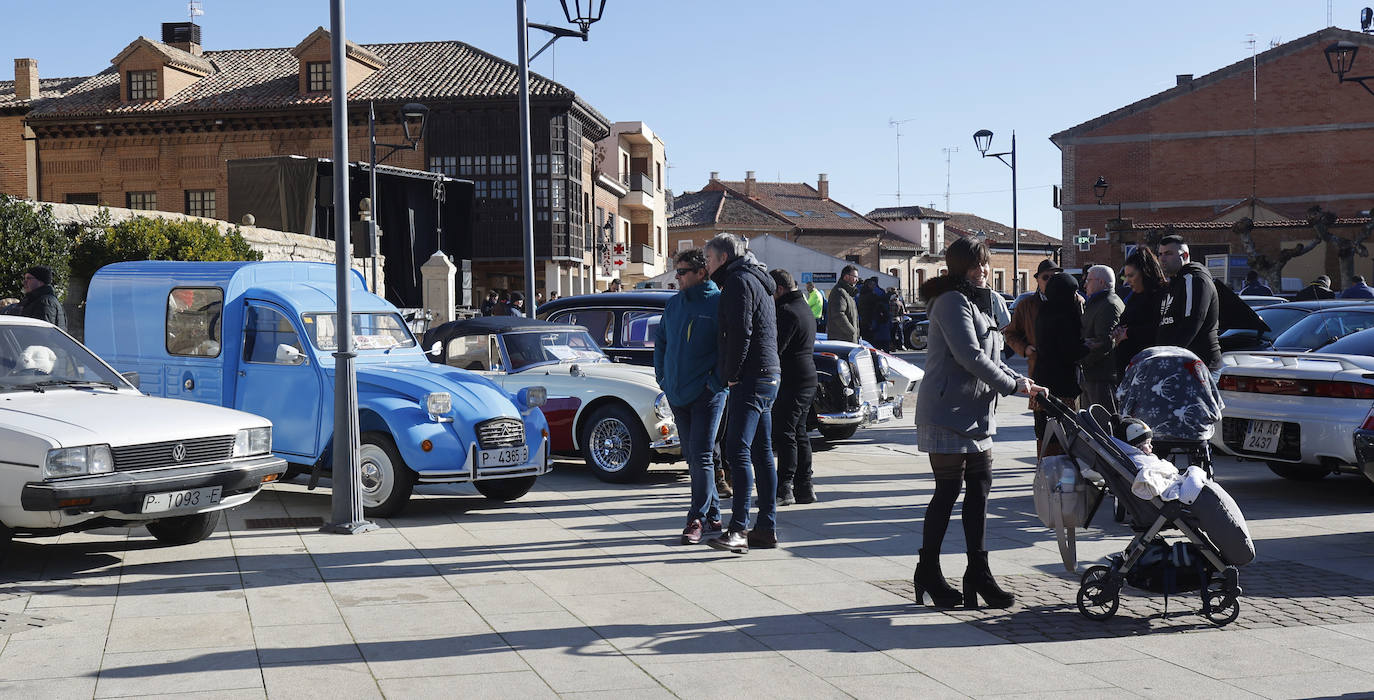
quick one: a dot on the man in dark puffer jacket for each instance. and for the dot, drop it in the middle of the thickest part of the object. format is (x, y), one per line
(796, 341)
(747, 363)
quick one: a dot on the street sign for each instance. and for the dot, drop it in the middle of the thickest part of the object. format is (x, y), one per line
(1085, 239)
(618, 257)
(823, 277)
(806, 277)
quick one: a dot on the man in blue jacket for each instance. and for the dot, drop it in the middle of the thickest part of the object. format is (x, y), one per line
(747, 362)
(685, 366)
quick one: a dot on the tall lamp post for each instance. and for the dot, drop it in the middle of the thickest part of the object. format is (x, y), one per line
(413, 124)
(346, 515)
(982, 139)
(583, 13)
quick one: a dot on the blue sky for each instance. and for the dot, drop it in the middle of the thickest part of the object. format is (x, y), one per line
(787, 88)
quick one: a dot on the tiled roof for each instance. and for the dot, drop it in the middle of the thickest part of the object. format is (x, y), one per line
(969, 225)
(695, 209)
(812, 212)
(893, 213)
(256, 79)
(47, 87)
(721, 208)
(1219, 225)
(170, 54)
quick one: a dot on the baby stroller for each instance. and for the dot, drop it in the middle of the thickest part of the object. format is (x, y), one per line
(1216, 542)
(1171, 390)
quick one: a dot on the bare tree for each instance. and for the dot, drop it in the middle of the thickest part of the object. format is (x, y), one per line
(1346, 248)
(1270, 269)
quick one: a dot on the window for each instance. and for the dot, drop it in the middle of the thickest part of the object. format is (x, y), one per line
(598, 322)
(140, 200)
(684, 244)
(193, 321)
(844, 215)
(472, 165)
(446, 165)
(1001, 283)
(317, 77)
(505, 165)
(637, 328)
(541, 164)
(808, 212)
(505, 189)
(200, 203)
(658, 175)
(852, 258)
(470, 352)
(269, 338)
(541, 200)
(91, 198)
(789, 212)
(143, 85)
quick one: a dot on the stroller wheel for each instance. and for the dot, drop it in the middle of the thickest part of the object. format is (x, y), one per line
(1098, 595)
(1119, 511)
(1216, 609)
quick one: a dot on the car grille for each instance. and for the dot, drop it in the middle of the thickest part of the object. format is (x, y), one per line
(1290, 443)
(160, 454)
(868, 379)
(500, 432)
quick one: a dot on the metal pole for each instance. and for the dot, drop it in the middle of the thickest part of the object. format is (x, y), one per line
(1015, 232)
(526, 179)
(372, 186)
(347, 513)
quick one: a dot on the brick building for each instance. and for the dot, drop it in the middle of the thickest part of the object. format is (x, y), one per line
(631, 199)
(155, 129)
(1263, 139)
(795, 211)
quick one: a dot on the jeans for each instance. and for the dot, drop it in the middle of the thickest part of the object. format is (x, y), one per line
(697, 423)
(791, 445)
(748, 450)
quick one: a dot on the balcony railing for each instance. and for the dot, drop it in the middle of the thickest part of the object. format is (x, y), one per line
(641, 182)
(642, 254)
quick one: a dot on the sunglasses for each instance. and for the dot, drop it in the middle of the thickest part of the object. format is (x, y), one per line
(683, 271)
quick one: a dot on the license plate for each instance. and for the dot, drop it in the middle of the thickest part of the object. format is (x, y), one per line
(1263, 436)
(503, 457)
(180, 500)
(884, 413)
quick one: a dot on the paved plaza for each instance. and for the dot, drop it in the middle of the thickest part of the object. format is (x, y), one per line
(581, 589)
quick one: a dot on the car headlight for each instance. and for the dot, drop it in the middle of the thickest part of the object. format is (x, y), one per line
(252, 441)
(438, 404)
(78, 461)
(661, 407)
(532, 396)
(842, 368)
(884, 367)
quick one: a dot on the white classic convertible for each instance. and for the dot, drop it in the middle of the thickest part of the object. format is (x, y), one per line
(81, 447)
(613, 414)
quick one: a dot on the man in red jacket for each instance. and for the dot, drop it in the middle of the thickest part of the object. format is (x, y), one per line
(1020, 333)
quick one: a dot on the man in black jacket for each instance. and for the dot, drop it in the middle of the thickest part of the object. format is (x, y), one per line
(1189, 311)
(747, 363)
(796, 339)
(39, 300)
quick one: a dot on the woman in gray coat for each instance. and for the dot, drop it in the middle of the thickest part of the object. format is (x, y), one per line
(955, 423)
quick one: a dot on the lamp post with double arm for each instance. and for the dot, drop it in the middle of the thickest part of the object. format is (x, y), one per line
(983, 140)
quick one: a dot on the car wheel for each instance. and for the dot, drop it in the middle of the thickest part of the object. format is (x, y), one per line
(838, 432)
(186, 529)
(615, 445)
(1298, 472)
(915, 340)
(387, 481)
(505, 489)
(6, 539)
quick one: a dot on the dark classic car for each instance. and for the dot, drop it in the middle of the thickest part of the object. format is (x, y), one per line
(854, 388)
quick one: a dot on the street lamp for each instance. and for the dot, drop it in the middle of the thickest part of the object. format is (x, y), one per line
(1100, 190)
(413, 125)
(583, 13)
(603, 241)
(982, 140)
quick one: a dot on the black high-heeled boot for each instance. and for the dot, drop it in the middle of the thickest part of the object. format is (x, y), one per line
(978, 581)
(929, 579)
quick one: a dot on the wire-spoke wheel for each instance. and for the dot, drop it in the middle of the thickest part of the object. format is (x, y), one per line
(615, 445)
(1097, 598)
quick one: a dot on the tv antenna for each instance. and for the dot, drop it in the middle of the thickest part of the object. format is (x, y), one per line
(947, 151)
(194, 10)
(897, 124)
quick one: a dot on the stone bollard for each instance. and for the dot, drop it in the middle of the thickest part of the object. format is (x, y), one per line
(438, 275)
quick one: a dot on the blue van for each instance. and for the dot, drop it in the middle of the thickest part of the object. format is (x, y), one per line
(260, 337)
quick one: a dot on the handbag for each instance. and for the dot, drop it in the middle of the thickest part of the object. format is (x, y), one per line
(1063, 500)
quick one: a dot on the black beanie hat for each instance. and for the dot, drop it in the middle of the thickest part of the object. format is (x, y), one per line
(42, 273)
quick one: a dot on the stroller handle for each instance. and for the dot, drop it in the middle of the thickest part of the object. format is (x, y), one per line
(1054, 406)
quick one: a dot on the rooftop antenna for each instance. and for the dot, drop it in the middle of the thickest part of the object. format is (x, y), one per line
(897, 124)
(1328, 13)
(947, 151)
(194, 10)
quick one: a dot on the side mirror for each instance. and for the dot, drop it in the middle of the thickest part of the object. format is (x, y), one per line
(437, 349)
(130, 377)
(289, 355)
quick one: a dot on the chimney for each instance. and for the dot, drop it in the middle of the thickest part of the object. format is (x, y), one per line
(182, 35)
(25, 78)
(749, 183)
(715, 174)
(823, 186)
(1183, 79)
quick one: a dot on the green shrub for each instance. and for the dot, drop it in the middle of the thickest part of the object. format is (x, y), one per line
(29, 237)
(102, 242)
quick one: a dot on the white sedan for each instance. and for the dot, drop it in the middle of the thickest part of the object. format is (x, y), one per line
(1297, 411)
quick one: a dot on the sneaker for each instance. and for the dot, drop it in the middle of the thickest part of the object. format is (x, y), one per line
(692, 533)
(731, 541)
(763, 539)
(785, 496)
(805, 493)
(723, 484)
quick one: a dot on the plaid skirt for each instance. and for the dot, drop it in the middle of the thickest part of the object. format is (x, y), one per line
(933, 438)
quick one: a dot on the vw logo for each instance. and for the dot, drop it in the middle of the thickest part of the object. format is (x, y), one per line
(178, 452)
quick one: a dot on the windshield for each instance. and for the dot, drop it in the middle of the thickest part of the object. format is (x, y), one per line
(1322, 327)
(371, 331)
(35, 358)
(537, 348)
